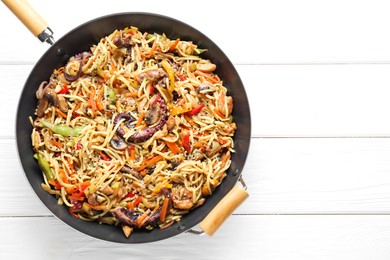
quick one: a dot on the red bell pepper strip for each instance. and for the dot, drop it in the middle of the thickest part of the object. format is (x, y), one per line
(78, 146)
(130, 194)
(186, 143)
(196, 110)
(104, 156)
(64, 89)
(182, 77)
(137, 201)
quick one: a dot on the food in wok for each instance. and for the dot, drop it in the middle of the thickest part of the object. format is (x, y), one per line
(135, 132)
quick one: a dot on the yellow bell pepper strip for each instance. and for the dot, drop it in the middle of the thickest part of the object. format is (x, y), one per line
(177, 110)
(171, 75)
(45, 167)
(63, 130)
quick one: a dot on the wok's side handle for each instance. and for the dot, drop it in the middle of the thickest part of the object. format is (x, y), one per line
(223, 210)
(31, 19)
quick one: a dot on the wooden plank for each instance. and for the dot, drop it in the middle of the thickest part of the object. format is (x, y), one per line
(285, 100)
(284, 176)
(241, 237)
(318, 100)
(275, 32)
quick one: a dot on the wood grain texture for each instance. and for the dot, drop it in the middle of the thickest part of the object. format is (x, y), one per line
(243, 237)
(276, 32)
(318, 173)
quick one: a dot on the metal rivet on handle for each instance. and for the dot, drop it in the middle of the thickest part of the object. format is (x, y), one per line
(60, 52)
(181, 227)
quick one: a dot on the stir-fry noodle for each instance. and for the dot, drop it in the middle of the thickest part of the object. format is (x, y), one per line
(135, 132)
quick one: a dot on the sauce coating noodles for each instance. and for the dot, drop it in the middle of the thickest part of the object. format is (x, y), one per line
(135, 132)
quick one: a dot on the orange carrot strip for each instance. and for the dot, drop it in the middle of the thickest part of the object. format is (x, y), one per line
(57, 144)
(92, 100)
(132, 154)
(72, 197)
(164, 208)
(225, 158)
(60, 113)
(173, 147)
(113, 66)
(130, 206)
(149, 162)
(142, 217)
(151, 53)
(189, 119)
(143, 172)
(136, 184)
(131, 94)
(140, 119)
(83, 185)
(216, 111)
(62, 175)
(99, 103)
(207, 76)
(173, 46)
(96, 207)
(70, 190)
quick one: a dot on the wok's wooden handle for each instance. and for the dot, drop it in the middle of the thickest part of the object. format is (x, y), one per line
(223, 210)
(30, 18)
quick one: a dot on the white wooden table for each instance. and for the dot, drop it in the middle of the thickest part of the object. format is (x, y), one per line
(317, 74)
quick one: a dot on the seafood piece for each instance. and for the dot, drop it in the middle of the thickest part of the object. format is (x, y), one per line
(73, 67)
(128, 119)
(183, 201)
(225, 104)
(144, 134)
(126, 216)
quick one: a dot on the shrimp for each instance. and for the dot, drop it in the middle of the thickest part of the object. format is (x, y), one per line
(225, 104)
(183, 201)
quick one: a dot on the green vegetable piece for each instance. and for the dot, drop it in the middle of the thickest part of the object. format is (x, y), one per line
(111, 96)
(63, 130)
(45, 167)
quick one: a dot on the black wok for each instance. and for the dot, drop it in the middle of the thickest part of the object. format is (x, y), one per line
(79, 40)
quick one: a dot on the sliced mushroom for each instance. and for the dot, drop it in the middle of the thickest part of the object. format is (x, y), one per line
(205, 87)
(61, 104)
(43, 104)
(153, 114)
(118, 143)
(131, 171)
(41, 89)
(49, 96)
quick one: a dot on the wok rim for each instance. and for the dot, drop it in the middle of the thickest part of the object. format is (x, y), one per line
(188, 221)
